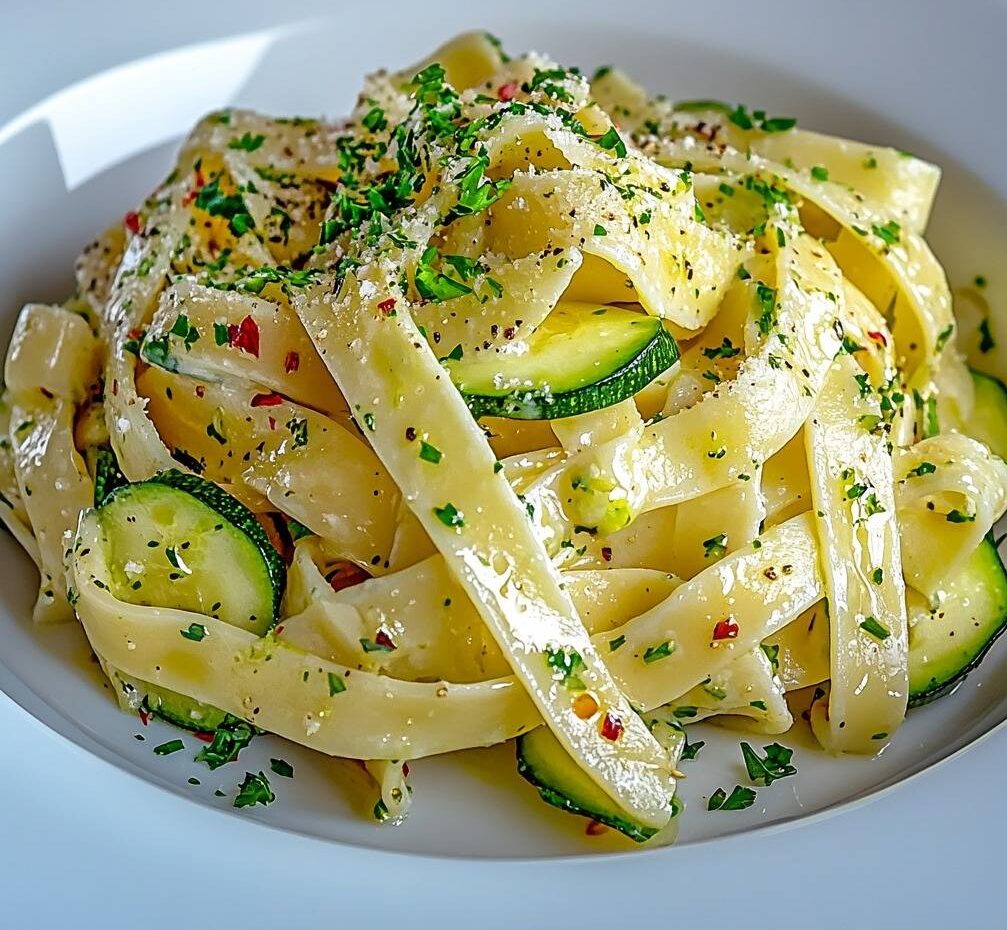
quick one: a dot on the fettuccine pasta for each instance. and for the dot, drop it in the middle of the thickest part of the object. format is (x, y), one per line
(516, 406)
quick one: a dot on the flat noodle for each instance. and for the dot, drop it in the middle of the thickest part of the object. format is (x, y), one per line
(852, 488)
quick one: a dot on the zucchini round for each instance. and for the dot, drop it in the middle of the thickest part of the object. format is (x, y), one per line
(988, 423)
(948, 642)
(582, 358)
(178, 541)
(175, 708)
(542, 761)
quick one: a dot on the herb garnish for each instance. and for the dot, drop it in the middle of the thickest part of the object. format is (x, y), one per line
(230, 737)
(254, 790)
(166, 749)
(739, 799)
(775, 764)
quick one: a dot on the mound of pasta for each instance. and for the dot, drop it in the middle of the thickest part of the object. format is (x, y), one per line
(522, 406)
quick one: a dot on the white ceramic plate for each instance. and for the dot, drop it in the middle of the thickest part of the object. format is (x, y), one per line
(77, 160)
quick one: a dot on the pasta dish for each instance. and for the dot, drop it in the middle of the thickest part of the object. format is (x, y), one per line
(519, 405)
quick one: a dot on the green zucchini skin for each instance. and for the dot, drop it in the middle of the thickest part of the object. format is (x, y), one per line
(543, 762)
(577, 362)
(945, 647)
(138, 517)
(175, 708)
(989, 417)
(107, 475)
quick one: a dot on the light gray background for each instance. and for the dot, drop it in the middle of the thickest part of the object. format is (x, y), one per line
(83, 844)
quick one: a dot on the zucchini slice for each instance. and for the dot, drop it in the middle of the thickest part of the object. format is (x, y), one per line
(582, 358)
(989, 417)
(946, 643)
(176, 540)
(107, 476)
(182, 711)
(542, 761)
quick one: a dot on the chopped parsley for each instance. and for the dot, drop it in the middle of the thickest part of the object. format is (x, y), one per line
(166, 749)
(370, 645)
(430, 453)
(282, 767)
(656, 653)
(956, 516)
(890, 233)
(772, 767)
(739, 799)
(435, 285)
(336, 684)
(254, 790)
(758, 120)
(725, 350)
(195, 631)
(924, 468)
(819, 173)
(874, 628)
(691, 750)
(612, 141)
(228, 206)
(449, 515)
(476, 193)
(247, 142)
(229, 739)
(298, 431)
(715, 547)
(766, 298)
(566, 665)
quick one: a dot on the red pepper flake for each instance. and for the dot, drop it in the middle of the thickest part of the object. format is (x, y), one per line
(278, 630)
(346, 575)
(132, 221)
(725, 629)
(144, 715)
(115, 387)
(606, 553)
(272, 399)
(135, 333)
(611, 727)
(200, 391)
(507, 92)
(203, 736)
(200, 180)
(244, 336)
(595, 828)
(292, 362)
(47, 393)
(878, 337)
(272, 422)
(387, 306)
(383, 639)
